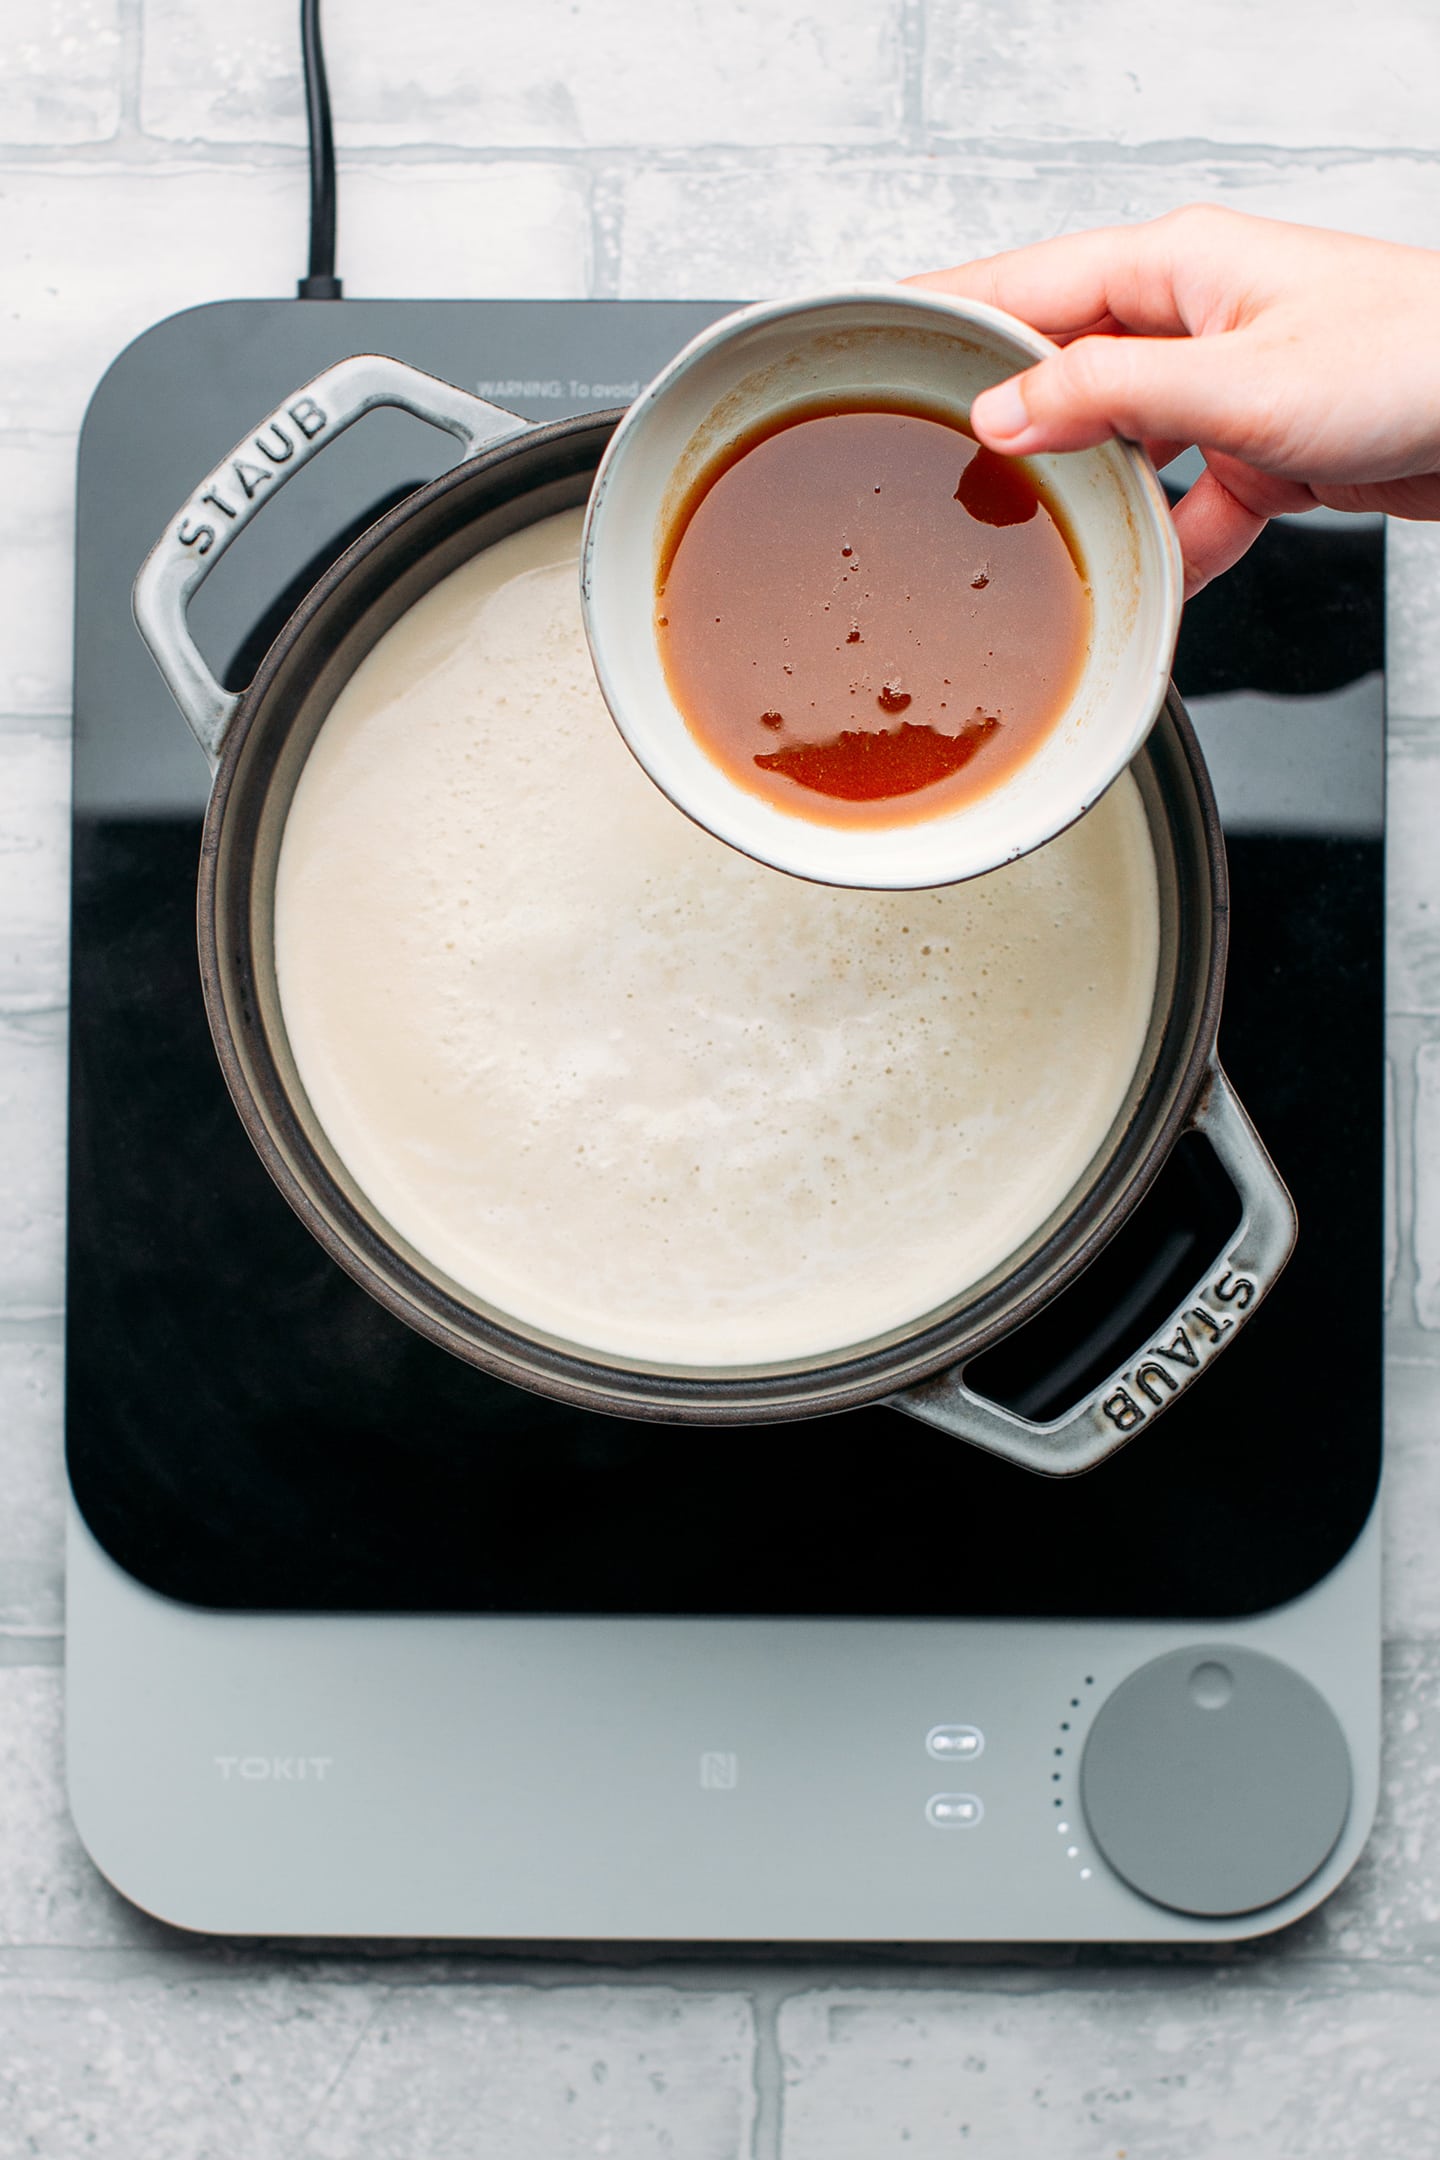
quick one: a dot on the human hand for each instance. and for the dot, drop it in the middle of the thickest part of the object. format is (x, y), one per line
(1305, 364)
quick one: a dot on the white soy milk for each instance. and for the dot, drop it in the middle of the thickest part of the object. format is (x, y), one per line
(632, 1089)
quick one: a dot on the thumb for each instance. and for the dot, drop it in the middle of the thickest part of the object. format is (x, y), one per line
(1179, 389)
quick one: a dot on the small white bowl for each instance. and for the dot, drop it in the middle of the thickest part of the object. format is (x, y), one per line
(752, 367)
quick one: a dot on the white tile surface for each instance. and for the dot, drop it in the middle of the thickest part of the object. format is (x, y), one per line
(37, 527)
(659, 72)
(1165, 2067)
(1427, 1185)
(281, 2068)
(173, 235)
(741, 229)
(639, 2072)
(467, 230)
(60, 64)
(32, 1480)
(149, 160)
(1413, 807)
(180, 233)
(1412, 652)
(1126, 71)
(1389, 1908)
(1412, 1499)
(34, 853)
(49, 1892)
(32, 1163)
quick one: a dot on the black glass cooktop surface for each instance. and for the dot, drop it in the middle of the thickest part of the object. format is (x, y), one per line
(246, 1429)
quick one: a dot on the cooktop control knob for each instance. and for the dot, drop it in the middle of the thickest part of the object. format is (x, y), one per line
(1215, 1780)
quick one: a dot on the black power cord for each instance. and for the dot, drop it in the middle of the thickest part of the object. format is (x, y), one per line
(321, 283)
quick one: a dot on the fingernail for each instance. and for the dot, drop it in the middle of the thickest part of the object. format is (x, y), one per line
(1001, 411)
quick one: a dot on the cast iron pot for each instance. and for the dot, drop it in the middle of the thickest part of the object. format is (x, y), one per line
(257, 742)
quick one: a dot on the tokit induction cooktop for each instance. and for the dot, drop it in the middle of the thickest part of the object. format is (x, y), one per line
(362, 1641)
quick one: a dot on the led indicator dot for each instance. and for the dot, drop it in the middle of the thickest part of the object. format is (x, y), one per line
(1085, 1874)
(1063, 1828)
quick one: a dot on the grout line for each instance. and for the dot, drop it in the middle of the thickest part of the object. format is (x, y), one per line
(138, 151)
(1115, 1970)
(1411, 1114)
(53, 721)
(33, 1019)
(22, 1008)
(767, 2069)
(35, 1327)
(607, 228)
(1401, 1166)
(132, 48)
(911, 31)
(22, 1648)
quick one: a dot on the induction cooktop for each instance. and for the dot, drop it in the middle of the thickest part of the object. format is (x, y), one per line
(364, 1641)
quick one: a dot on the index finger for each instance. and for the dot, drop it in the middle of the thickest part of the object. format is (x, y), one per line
(1068, 286)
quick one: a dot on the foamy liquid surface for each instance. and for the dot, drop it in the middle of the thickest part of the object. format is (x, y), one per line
(635, 1090)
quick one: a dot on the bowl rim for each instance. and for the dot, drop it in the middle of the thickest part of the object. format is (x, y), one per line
(810, 848)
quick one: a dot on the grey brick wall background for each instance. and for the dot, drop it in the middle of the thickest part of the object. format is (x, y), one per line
(149, 159)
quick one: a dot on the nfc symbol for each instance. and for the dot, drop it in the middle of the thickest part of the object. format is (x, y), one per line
(719, 1773)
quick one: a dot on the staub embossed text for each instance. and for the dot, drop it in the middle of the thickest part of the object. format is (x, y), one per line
(231, 492)
(1168, 1367)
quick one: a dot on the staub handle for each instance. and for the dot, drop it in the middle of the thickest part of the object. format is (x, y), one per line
(242, 483)
(1208, 1319)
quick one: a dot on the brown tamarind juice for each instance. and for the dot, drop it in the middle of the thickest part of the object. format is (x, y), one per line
(867, 617)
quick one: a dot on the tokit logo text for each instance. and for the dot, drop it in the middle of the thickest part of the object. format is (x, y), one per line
(273, 1769)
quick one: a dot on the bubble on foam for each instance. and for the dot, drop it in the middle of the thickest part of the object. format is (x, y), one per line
(496, 941)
